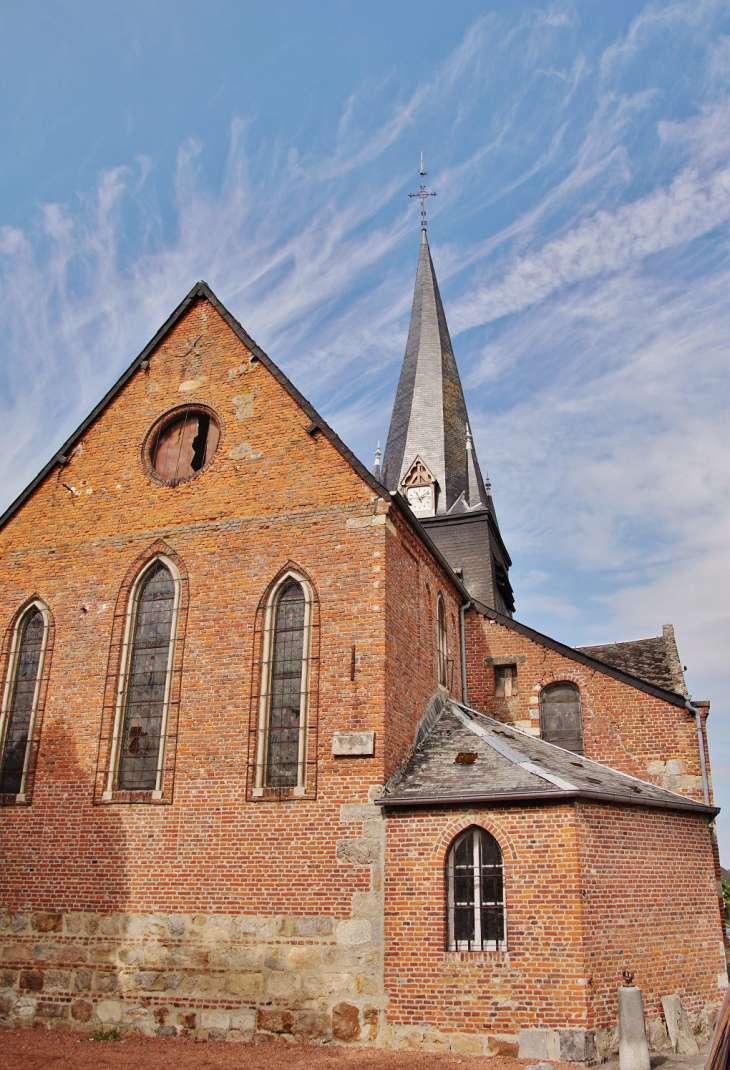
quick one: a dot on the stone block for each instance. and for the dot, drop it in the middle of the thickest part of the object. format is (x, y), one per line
(245, 985)
(354, 932)
(52, 1009)
(188, 1019)
(311, 1024)
(82, 1010)
(539, 1044)
(678, 1026)
(283, 985)
(275, 1021)
(463, 1044)
(577, 1046)
(328, 985)
(58, 980)
(109, 1012)
(8, 999)
(32, 980)
(656, 1034)
(345, 1022)
(8, 978)
(83, 979)
(109, 925)
(435, 1041)
(353, 744)
(215, 1020)
(502, 1046)
(104, 981)
(307, 926)
(25, 1008)
(357, 812)
(358, 852)
(44, 922)
(18, 923)
(366, 905)
(245, 1021)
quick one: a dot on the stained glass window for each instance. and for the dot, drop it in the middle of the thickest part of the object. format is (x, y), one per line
(476, 893)
(146, 684)
(285, 710)
(22, 699)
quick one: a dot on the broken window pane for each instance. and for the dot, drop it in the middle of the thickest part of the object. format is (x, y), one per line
(146, 682)
(20, 711)
(185, 445)
(285, 721)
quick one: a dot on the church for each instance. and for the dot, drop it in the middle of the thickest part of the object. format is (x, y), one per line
(279, 763)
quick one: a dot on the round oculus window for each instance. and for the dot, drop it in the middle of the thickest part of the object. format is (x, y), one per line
(182, 444)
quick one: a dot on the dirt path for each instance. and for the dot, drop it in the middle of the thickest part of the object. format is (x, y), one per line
(35, 1049)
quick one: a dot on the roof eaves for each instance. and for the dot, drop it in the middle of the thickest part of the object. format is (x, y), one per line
(403, 802)
(583, 659)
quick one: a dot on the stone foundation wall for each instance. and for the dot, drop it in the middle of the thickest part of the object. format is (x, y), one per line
(218, 976)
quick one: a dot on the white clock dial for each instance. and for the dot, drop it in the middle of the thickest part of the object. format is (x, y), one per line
(420, 499)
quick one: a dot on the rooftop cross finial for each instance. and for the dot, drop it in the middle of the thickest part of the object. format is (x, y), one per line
(422, 194)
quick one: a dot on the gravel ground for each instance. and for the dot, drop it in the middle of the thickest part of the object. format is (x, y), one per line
(36, 1049)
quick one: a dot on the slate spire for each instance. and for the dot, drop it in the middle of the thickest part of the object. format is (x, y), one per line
(429, 418)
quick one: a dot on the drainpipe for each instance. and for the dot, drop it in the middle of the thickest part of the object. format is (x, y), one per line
(462, 641)
(701, 744)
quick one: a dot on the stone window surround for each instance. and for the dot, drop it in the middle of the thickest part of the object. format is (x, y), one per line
(109, 793)
(35, 604)
(259, 790)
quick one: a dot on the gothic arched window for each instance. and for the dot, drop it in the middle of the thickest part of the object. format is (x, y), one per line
(143, 695)
(441, 638)
(20, 700)
(475, 879)
(282, 756)
(561, 721)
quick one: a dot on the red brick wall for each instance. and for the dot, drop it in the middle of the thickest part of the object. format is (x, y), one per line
(591, 890)
(650, 906)
(623, 727)
(273, 494)
(538, 981)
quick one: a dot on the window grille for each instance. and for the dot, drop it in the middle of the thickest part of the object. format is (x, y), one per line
(21, 699)
(561, 719)
(475, 874)
(442, 648)
(144, 684)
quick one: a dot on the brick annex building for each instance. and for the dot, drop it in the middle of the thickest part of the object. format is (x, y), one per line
(277, 760)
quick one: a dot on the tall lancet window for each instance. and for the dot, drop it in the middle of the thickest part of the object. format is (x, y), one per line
(475, 878)
(282, 747)
(443, 660)
(20, 700)
(145, 679)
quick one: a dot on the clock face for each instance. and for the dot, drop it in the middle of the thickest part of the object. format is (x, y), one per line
(420, 499)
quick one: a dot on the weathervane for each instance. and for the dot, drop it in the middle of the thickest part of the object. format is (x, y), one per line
(422, 194)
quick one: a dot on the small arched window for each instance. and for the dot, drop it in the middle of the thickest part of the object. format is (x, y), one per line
(20, 699)
(475, 878)
(561, 721)
(143, 695)
(441, 640)
(282, 750)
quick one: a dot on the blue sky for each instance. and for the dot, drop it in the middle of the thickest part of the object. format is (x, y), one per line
(581, 236)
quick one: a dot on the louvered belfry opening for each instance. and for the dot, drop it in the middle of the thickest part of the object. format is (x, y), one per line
(22, 698)
(146, 684)
(476, 893)
(561, 719)
(285, 712)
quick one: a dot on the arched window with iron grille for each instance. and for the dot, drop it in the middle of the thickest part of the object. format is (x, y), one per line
(475, 890)
(443, 661)
(561, 719)
(20, 698)
(143, 694)
(283, 714)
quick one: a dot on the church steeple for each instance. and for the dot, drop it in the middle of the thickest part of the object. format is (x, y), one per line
(429, 454)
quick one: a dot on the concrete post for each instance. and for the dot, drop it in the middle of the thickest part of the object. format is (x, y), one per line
(633, 1050)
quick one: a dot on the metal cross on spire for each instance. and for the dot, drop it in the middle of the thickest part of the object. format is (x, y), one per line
(422, 194)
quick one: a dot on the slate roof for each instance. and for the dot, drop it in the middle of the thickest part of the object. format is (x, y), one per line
(511, 766)
(429, 414)
(655, 660)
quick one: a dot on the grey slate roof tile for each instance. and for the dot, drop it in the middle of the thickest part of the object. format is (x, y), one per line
(512, 766)
(655, 660)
